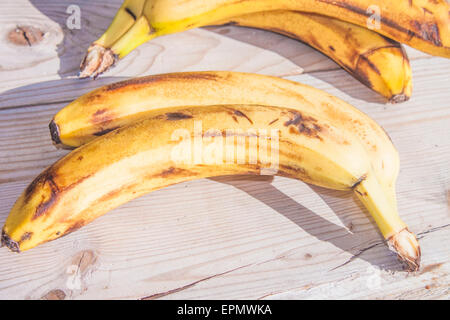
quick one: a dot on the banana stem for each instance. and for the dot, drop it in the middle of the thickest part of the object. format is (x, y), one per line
(384, 211)
(97, 60)
(100, 58)
(406, 246)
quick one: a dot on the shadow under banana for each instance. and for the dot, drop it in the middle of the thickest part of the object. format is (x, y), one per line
(261, 188)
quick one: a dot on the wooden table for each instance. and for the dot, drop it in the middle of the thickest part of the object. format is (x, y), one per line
(222, 238)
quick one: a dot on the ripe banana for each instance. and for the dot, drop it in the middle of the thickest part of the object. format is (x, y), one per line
(422, 24)
(376, 61)
(139, 158)
(122, 103)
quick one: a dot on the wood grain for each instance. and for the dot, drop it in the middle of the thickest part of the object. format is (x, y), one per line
(228, 237)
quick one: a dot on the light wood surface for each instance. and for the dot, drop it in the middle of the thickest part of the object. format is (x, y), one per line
(228, 237)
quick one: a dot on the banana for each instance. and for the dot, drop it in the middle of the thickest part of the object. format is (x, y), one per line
(158, 151)
(376, 61)
(119, 104)
(422, 24)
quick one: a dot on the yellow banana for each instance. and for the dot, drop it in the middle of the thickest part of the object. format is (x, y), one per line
(158, 151)
(422, 24)
(378, 62)
(122, 103)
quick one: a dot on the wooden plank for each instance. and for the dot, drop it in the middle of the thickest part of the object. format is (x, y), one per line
(245, 237)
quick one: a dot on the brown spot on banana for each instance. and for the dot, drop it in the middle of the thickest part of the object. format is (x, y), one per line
(425, 10)
(110, 195)
(128, 10)
(26, 236)
(302, 124)
(104, 131)
(44, 206)
(428, 32)
(93, 98)
(177, 116)
(102, 116)
(75, 226)
(41, 178)
(47, 180)
(183, 76)
(241, 114)
(46, 203)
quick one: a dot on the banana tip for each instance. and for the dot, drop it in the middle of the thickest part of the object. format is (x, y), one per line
(405, 244)
(9, 243)
(398, 98)
(56, 136)
(54, 132)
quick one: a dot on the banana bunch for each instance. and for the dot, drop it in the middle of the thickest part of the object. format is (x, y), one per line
(143, 134)
(336, 28)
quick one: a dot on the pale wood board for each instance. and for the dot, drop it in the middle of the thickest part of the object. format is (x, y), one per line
(248, 237)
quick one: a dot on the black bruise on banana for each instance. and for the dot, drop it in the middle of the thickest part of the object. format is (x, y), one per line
(44, 206)
(104, 131)
(304, 125)
(47, 178)
(177, 116)
(429, 32)
(41, 178)
(273, 121)
(77, 225)
(128, 10)
(369, 63)
(175, 171)
(26, 236)
(292, 172)
(102, 116)
(361, 71)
